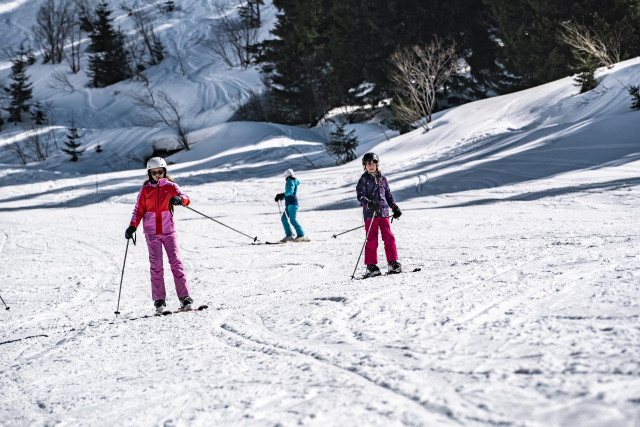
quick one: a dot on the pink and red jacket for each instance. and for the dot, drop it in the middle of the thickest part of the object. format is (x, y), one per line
(152, 206)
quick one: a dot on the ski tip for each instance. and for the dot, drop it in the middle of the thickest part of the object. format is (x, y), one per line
(116, 312)
(416, 269)
(203, 307)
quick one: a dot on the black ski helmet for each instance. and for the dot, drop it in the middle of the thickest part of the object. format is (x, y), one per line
(370, 157)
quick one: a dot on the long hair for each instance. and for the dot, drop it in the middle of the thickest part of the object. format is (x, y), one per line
(166, 175)
(377, 168)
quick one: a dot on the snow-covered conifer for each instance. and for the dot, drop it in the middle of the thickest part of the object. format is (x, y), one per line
(20, 91)
(73, 143)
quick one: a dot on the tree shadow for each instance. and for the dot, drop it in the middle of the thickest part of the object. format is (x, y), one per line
(521, 156)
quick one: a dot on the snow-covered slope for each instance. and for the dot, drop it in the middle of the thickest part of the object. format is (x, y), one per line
(520, 210)
(206, 89)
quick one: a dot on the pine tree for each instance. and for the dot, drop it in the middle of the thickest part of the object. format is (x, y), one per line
(72, 143)
(329, 53)
(634, 91)
(342, 145)
(38, 114)
(20, 91)
(110, 63)
(169, 6)
(530, 33)
(296, 62)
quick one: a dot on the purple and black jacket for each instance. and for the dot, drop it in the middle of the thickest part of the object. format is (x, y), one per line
(374, 187)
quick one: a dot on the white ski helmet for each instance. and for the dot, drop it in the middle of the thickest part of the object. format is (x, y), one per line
(156, 162)
(288, 173)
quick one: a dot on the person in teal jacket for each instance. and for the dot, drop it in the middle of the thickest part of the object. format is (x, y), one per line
(290, 214)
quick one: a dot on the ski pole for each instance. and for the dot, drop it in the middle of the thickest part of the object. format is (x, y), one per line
(255, 239)
(122, 276)
(285, 210)
(365, 243)
(348, 231)
(353, 229)
(5, 304)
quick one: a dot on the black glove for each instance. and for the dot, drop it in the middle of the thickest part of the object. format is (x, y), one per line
(129, 233)
(175, 200)
(396, 212)
(374, 204)
(279, 197)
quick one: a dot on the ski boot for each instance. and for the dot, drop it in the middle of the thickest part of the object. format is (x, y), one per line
(287, 239)
(302, 238)
(160, 306)
(185, 303)
(394, 267)
(372, 271)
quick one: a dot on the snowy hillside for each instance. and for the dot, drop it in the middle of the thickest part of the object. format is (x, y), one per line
(206, 89)
(521, 211)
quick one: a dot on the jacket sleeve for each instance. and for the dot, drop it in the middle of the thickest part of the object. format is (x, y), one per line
(139, 210)
(387, 195)
(289, 187)
(361, 190)
(185, 199)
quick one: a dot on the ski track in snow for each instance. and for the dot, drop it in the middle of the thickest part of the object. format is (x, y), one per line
(520, 210)
(511, 318)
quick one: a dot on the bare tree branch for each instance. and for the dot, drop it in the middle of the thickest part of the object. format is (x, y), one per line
(59, 81)
(419, 73)
(164, 110)
(150, 39)
(589, 48)
(75, 40)
(233, 35)
(53, 25)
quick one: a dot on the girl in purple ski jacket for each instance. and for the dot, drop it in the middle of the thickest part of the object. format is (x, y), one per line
(154, 208)
(375, 197)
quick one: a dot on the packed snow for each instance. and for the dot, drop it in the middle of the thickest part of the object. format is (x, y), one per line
(521, 212)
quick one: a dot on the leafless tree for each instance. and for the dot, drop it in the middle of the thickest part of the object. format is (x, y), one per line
(53, 24)
(178, 52)
(40, 141)
(163, 6)
(150, 39)
(86, 11)
(18, 149)
(419, 72)
(234, 34)
(136, 57)
(164, 110)
(589, 48)
(59, 81)
(72, 55)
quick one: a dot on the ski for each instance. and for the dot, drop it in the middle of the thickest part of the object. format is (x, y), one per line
(387, 274)
(200, 308)
(281, 243)
(163, 313)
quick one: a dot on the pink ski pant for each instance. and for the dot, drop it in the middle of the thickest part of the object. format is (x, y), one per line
(155, 243)
(371, 248)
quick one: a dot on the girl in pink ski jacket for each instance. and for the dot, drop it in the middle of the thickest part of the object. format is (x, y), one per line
(158, 196)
